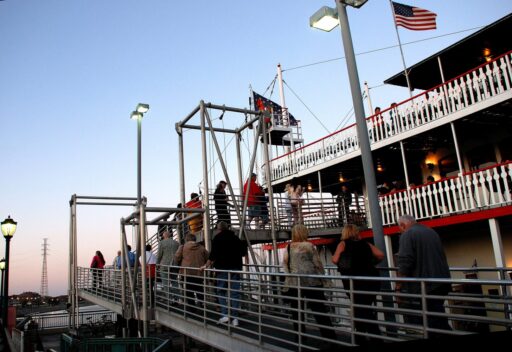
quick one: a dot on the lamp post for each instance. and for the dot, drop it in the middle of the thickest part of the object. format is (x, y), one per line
(138, 114)
(2, 268)
(8, 230)
(325, 19)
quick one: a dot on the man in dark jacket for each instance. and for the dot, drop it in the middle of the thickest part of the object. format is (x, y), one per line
(226, 254)
(421, 255)
(344, 199)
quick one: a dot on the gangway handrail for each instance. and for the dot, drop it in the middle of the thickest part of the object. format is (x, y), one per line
(263, 309)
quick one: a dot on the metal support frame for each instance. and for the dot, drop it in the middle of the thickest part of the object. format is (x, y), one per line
(73, 320)
(205, 125)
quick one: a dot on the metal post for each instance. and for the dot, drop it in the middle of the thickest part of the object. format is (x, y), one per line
(142, 234)
(457, 151)
(269, 187)
(362, 131)
(180, 227)
(367, 91)
(123, 267)
(441, 71)
(71, 269)
(74, 303)
(139, 160)
(321, 197)
(239, 162)
(206, 216)
(5, 298)
(404, 162)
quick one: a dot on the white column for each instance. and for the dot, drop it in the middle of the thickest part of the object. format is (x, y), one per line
(497, 244)
(389, 253)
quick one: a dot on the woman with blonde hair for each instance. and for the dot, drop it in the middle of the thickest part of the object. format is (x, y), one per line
(356, 257)
(301, 257)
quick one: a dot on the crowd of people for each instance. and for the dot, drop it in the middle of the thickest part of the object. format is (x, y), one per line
(420, 255)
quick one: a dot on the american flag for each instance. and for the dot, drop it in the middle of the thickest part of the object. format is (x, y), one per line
(413, 18)
(263, 104)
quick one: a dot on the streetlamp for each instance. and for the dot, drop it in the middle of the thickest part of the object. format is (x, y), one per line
(325, 19)
(138, 114)
(2, 268)
(8, 230)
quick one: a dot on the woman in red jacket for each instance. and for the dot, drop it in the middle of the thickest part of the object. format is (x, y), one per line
(98, 262)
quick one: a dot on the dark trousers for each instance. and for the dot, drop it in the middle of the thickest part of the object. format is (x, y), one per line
(223, 215)
(194, 284)
(319, 306)
(151, 284)
(433, 305)
(97, 278)
(367, 300)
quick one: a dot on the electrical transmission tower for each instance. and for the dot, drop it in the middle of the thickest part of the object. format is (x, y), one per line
(44, 275)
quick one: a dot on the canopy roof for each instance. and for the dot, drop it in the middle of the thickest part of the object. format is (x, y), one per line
(460, 57)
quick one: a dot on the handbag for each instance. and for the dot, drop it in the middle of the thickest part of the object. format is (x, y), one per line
(345, 262)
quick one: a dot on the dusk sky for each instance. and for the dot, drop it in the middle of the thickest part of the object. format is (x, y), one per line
(72, 72)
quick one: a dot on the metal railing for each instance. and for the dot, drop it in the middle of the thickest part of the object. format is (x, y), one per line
(475, 190)
(477, 86)
(47, 321)
(317, 210)
(71, 344)
(267, 315)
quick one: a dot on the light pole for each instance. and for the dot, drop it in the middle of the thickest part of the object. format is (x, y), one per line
(324, 19)
(2, 269)
(138, 114)
(8, 230)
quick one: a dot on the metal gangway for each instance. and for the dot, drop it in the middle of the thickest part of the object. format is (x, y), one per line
(268, 318)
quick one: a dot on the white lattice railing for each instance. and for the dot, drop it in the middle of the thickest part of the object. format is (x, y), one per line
(476, 190)
(479, 85)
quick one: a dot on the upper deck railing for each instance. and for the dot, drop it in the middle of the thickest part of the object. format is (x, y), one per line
(476, 190)
(269, 319)
(475, 87)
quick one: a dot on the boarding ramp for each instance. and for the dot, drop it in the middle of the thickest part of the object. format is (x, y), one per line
(266, 313)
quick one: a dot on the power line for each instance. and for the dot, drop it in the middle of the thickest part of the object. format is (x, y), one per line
(381, 49)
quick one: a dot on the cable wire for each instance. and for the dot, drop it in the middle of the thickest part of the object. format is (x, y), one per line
(382, 49)
(307, 107)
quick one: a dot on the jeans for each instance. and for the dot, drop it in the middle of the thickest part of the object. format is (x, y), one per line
(228, 307)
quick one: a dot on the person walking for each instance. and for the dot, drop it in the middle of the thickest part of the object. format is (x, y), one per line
(97, 264)
(356, 257)
(287, 205)
(165, 257)
(226, 256)
(195, 224)
(421, 255)
(221, 203)
(297, 202)
(253, 209)
(189, 256)
(117, 261)
(151, 272)
(301, 257)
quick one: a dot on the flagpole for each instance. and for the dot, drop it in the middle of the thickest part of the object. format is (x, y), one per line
(401, 50)
(367, 91)
(253, 107)
(284, 109)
